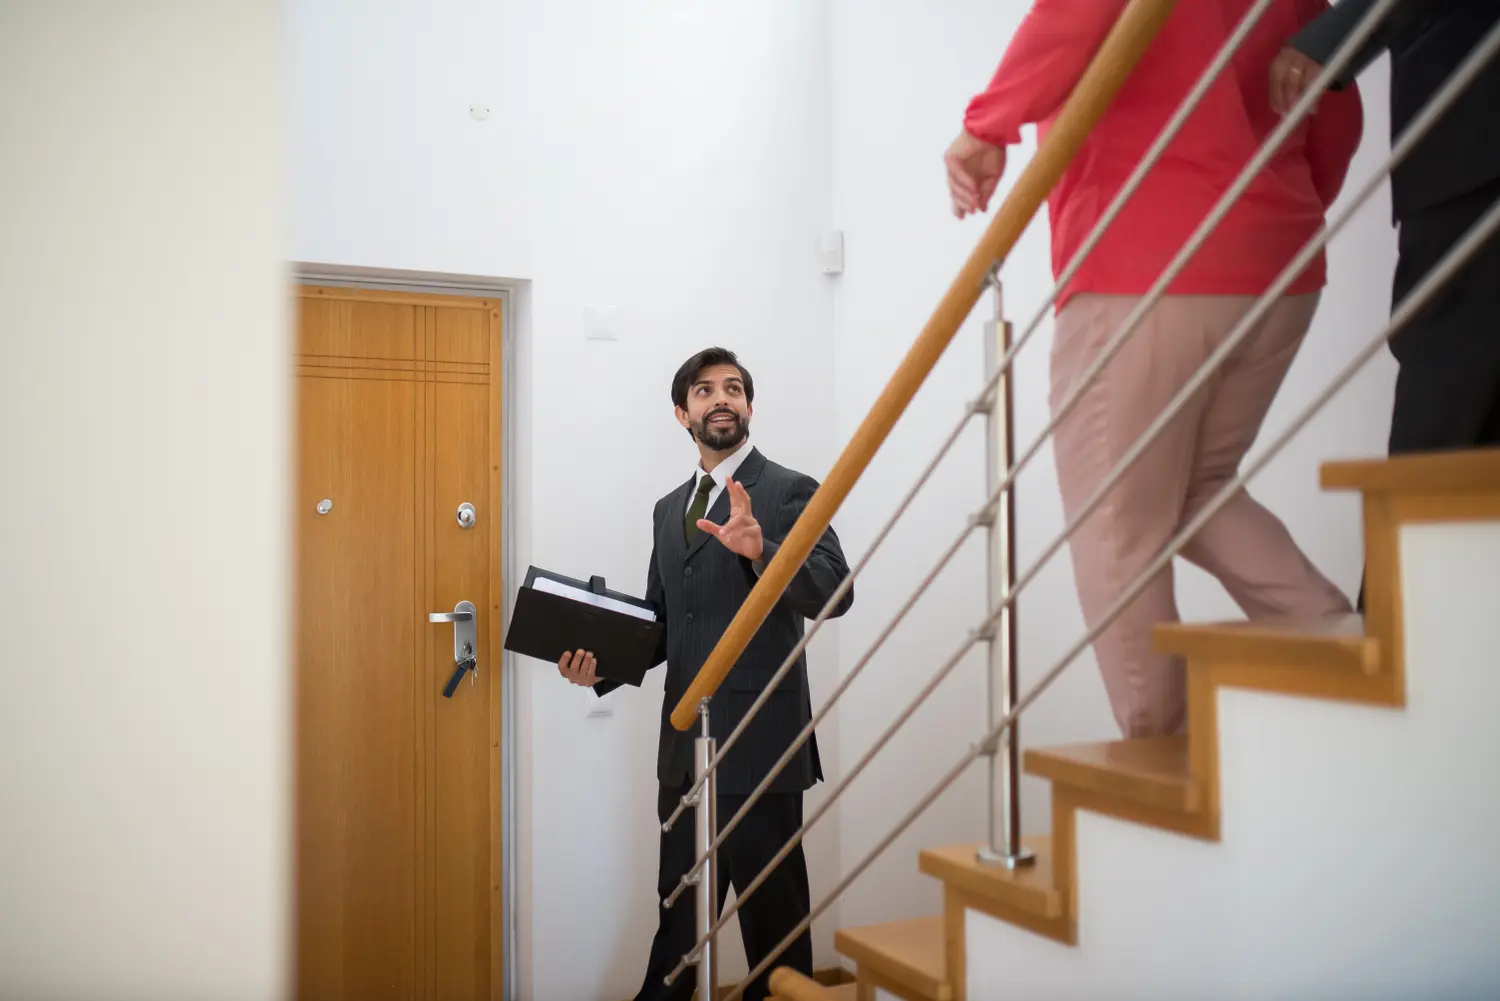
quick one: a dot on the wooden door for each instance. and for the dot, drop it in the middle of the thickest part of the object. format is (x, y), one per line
(398, 788)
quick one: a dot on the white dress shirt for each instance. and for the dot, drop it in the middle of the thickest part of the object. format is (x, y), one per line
(722, 472)
(721, 475)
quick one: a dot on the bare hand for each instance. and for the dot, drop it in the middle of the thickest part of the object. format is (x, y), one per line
(741, 533)
(1291, 72)
(974, 171)
(578, 667)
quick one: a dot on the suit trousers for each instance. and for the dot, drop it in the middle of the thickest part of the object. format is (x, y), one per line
(769, 914)
(1448, 385)
(1244, 545)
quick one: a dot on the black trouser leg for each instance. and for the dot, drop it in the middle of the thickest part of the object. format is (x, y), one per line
(780, 903)
(677, 929)
(769, 915)
(1448, 386)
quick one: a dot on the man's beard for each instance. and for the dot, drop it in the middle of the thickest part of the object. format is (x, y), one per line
(721, 439)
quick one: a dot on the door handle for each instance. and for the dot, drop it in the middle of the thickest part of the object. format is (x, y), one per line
(465, 642)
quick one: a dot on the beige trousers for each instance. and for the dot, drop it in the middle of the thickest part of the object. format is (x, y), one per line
(1245, 546)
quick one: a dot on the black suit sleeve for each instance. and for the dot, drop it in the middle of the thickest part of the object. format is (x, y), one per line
(822, 571)
(657, 599)
(1323, 36)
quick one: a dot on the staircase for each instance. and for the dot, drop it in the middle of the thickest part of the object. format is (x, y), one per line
(1116, 909)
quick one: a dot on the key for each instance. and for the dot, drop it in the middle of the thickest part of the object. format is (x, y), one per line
(457, 676)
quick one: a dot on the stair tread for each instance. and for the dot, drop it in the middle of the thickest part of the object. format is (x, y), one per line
(1337, 642)
(912, 953)
(843, 992)
(1440, 472)
(1151, 770)
(1028, 888)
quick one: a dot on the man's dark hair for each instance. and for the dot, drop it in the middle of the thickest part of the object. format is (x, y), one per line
(694, 366)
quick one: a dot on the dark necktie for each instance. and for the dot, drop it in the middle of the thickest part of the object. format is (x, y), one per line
(697, 509)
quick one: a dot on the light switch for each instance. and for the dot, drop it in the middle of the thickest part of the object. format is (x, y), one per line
(600, 322)
(831, 252)
(597, 707)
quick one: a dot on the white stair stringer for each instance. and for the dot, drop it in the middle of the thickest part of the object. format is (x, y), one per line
(1360, 851)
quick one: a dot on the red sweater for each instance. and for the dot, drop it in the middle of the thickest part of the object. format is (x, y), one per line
(1281, 210)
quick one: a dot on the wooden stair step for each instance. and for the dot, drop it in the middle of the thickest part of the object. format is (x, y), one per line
(789, 985)
(1028, 888)
(1465, 471)
(1150, 771)
(906, 958)
(1027, 895)
(1333, 643)
(1173, 783)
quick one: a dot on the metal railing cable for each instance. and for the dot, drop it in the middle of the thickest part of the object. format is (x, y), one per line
(1485, 229)
(1456, 258)
(1096, 234)
(1221, 209)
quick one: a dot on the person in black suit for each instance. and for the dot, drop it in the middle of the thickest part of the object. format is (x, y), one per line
(1448, 385)
(714, 535)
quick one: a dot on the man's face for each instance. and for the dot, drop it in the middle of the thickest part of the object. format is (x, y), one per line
(717, 412)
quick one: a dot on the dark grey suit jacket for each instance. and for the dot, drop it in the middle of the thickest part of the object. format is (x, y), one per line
(697, 589)
(1427, 40)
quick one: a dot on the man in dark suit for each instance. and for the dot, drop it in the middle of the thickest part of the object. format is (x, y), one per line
(1448, 386)
(714, 535)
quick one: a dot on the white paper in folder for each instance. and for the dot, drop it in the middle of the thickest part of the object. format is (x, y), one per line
(588, 597)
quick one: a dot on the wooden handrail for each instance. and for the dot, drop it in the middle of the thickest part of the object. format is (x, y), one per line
(788, 985)
(1127, 41)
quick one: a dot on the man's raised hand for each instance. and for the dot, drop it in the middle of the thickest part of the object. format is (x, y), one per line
(741, 533)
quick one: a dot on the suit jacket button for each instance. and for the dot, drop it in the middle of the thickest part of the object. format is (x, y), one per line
(687, 571)
(689, 616)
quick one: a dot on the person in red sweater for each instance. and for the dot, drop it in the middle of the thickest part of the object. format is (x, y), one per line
(1245, 546)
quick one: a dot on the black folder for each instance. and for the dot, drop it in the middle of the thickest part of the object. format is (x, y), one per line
(546, 625)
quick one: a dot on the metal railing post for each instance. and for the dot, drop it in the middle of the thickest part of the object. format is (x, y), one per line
(1004, 845)
(706, 824)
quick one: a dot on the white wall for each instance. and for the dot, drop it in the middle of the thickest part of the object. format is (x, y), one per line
(903, 72)
(1386, 890)
(668, 159)
(679, 163)
(143, 722)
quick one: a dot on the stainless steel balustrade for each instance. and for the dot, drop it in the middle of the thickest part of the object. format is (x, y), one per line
(999, 743)
(1485, 229)
(982, 402)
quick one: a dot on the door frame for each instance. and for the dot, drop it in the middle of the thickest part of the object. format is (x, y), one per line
(505, 292)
